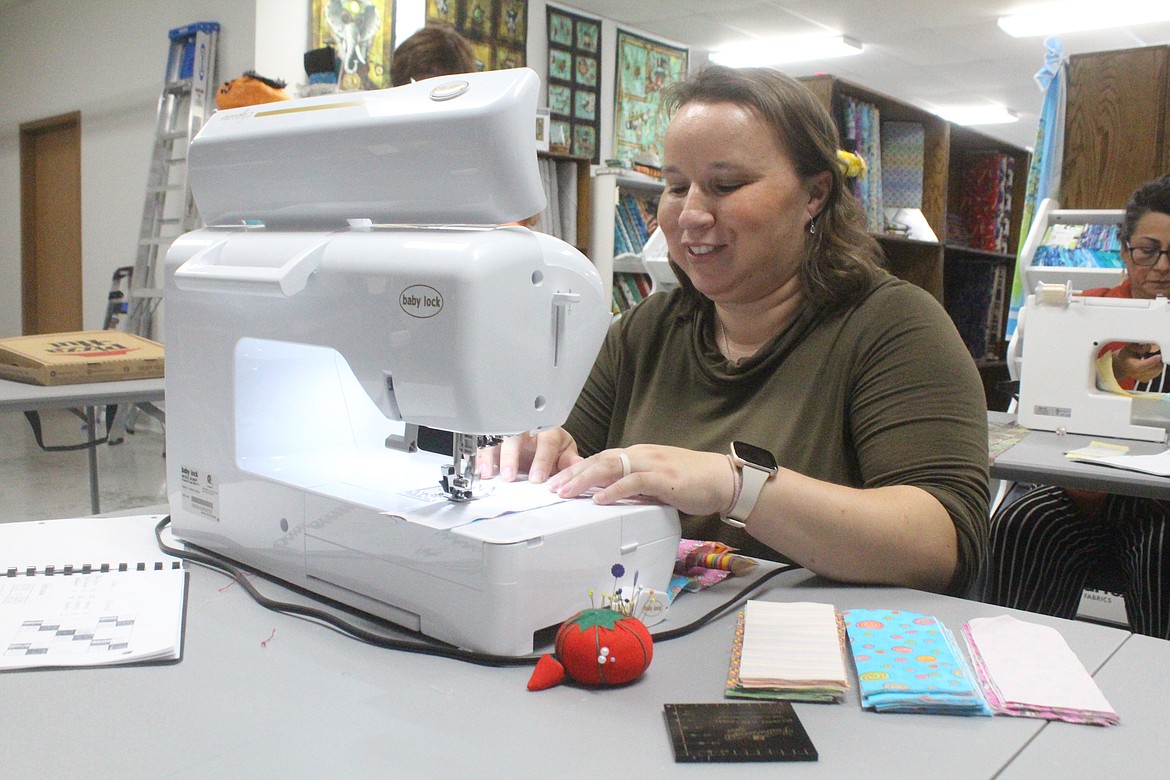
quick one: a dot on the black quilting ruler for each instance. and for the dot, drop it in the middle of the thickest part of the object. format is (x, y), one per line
(755, 731)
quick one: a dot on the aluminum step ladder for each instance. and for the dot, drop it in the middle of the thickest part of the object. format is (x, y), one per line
(187, 99)
(168, 211)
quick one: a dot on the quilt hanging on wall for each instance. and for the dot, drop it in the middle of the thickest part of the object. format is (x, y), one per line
(574, 82)
(644, 68)
(362, 34)
(497, 29)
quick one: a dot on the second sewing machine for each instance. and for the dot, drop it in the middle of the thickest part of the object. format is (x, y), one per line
(1059, 386)
(358, 278)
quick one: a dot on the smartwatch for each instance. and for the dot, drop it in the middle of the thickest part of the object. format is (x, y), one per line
(756, 466)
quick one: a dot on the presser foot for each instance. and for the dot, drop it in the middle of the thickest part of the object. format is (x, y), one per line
(460, 478)
(457, 487)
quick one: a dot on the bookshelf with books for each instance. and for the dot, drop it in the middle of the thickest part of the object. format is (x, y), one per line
(624, 205)
(987, 182)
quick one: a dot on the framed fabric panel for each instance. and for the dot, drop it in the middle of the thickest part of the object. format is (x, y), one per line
(574, 82)
(644, 68)
(497, 29)
(362, 34)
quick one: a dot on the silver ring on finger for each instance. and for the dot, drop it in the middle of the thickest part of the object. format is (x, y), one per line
(625, 459)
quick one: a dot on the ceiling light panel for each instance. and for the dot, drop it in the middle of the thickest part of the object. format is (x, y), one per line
(1057, 18)
(776, 51)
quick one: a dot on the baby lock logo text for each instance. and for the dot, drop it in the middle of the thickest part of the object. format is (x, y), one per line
(421, 301)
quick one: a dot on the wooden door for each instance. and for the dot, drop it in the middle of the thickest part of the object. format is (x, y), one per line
(50, 225)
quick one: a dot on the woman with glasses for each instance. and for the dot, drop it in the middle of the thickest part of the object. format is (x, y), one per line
(1045, 544)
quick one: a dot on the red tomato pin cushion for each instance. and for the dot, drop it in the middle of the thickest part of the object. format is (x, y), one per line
(596, 647)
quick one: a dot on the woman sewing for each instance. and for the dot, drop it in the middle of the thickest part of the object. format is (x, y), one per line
(786, 398)
(1045, 544)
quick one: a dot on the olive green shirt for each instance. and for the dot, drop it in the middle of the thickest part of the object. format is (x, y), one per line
(880, 393)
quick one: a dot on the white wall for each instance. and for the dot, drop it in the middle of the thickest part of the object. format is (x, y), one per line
(106, 59)
(282, 38)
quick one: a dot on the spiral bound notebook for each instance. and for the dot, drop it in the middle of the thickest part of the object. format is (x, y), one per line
(88, 592)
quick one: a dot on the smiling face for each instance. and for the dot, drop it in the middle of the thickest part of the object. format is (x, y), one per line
(735, 212)
(1152, 230)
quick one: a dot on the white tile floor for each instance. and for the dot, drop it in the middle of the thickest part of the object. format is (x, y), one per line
(38, 485)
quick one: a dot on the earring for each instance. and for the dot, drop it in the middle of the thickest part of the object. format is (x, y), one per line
(812, 226)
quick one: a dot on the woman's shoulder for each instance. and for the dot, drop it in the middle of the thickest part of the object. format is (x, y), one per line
(890, 297)
(897, 315)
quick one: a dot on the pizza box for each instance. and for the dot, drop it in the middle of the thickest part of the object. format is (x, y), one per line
(82, 356)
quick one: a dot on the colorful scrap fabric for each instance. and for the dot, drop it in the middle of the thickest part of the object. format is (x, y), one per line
(861, 129)
(1080, 246)
(903, 152)
(907, 662)
(984, 200)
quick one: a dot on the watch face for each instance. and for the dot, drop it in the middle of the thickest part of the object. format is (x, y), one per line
(757, 456)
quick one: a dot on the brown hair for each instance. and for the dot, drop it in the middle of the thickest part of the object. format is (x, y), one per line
(437, 50)
(1151, 196)
(841, 259)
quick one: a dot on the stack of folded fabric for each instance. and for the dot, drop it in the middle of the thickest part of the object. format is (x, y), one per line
(1028, 670)
(907, 662)
(789, 651)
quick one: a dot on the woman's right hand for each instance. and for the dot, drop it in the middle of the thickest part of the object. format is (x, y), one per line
(540, 455)
(1140, 362)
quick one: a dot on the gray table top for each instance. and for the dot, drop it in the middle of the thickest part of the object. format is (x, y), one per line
(1039, 457)
(1136, 684)
(23, 397)
(264, 694)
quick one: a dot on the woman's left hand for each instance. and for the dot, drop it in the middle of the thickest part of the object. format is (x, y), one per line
(693, 482)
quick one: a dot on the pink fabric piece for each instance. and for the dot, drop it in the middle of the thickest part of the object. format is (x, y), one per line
(698, 577)
(1028, 670)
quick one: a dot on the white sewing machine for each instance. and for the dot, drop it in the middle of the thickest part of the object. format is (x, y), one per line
(1062, 334)
(306, 340)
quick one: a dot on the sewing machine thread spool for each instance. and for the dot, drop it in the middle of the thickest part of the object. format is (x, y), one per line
(1053, 294)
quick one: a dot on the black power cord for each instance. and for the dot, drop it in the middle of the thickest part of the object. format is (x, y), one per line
(354, 631)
